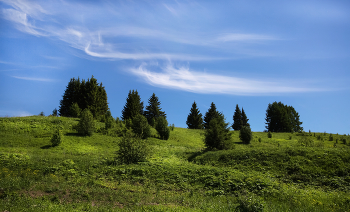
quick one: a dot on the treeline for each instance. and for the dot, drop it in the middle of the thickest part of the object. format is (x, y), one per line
(91, 95)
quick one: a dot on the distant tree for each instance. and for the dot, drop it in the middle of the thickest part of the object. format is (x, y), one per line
(109, 120)
(282, 118)
(86, 125)
(75, 110)
(209, 115)
(194, 119)
(133, 106)
(162, 128)
(244, 120)
(141, 127)
(237, 119)
(86, 94)
(55, 112)
(41, 113)
(153, 110)
(245, 134)
(218, 136)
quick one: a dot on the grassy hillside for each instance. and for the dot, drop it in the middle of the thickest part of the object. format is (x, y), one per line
(288, 172)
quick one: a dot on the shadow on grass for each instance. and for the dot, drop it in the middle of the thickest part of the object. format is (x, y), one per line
(46, 146)
(74, 134)
(196, 154)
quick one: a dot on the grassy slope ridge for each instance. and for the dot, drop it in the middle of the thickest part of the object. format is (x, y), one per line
(275, 174)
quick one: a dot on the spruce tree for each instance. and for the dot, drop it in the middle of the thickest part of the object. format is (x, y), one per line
(194, 119)
(133, 106)
(244, 120)
(153, 111)
(237, 119)
(282, 118)
(162, 128)
(218, 136)
(209, 115)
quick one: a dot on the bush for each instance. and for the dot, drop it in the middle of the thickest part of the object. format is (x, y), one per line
(245, 134)
(330, 137)
(269, 135)
(132, 149)
(217, 135)
(57, 138)
(86, 124)
(305, 141)
(162, 128)
(75, 110)
(141, 127)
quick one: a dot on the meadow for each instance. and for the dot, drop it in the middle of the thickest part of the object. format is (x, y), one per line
(288, 172)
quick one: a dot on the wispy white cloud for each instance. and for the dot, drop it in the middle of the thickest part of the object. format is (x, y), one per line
(198, 82)
(34, 79)
(244, 37)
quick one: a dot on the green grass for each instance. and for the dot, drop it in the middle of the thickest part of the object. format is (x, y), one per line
(277, 174)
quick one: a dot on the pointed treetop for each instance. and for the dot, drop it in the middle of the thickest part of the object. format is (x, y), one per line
(194, 119)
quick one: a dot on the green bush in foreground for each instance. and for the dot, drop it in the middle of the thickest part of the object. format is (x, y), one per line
(218, 136)
(57, 138)
(162, 128)
(86, 124)
(245, 134)
(132, 149)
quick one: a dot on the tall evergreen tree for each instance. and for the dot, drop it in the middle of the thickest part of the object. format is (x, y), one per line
(133, 106)
(209, 115)
(282, 118)
(244, 122)
(87, 95)
(237, 119)
(218, 136)
(194, 119)
(153, 111)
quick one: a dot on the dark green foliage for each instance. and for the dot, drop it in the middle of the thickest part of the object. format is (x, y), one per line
(86, 126)
(212, 113)
(162, 128)
(87, 94)
(306, 141)
(133, 106)
(109, 121)
(244, 119)
(75, 110)
(269, 135)
(282, 118)
(55, 112)
(245, 134)
(56, 138)
(153, 111)
(330, 137)
(132, 149)
(218, 136)
(41, 113)
(141, 127)
(194, 119)
(237, 119)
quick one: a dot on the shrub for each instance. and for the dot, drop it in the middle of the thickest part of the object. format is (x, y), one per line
(141, 127)
(41, 113)
(75, 110)
(132, 149)
(344, 140)
(245, 134)
(162, 128)
(55, 112)
(57, 138)
(269, 135)
(217, 135)
(86, 124)
(290, 137)
(305, 141)
(259, 140)
(330, 137)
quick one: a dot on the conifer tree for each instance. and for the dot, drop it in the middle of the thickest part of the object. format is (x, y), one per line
(209, 115)
(237, 119)
(89, 94)
(282, 118)
(244, 120)
(133, 106)
(218, 136)
(153, 111)
(194, 119)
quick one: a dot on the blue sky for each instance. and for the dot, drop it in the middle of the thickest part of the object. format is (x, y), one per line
(249, 53)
